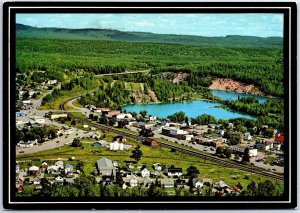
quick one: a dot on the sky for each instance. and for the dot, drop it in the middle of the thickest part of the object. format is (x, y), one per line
(259, 24)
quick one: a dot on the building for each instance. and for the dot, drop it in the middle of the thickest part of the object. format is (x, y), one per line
(51, 82)
(279, 138)
(247, 136)
(116, 146)
(145, 172)
(173, 131)
(198, 182)
(220, 132)
(150, 142)
(241, 150)
(21, 114)
(105, 167)
(124, 116)
(174, 172)
(264, 145)
(56, 116)
(68, 168)
(39, 120)
(26, 102)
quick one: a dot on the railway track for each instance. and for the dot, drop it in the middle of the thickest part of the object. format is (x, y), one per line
(183, 150)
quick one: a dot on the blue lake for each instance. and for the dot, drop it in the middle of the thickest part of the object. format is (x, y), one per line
(194, 108)
(232, 96)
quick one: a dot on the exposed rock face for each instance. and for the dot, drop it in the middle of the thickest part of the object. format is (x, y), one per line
(231, 85)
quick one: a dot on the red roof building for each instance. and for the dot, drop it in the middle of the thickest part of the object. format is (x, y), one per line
(279, 138)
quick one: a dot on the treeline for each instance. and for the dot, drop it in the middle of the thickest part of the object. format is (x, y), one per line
(86, 82)
(270, 112)
(87, 186)
(39, 133)
(43, 75)
(112, 96)
(246, 64)
(167, 91)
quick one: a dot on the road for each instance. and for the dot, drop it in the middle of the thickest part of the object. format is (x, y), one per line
(124, 73)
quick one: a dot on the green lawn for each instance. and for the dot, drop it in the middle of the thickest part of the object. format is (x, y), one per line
(134, 86)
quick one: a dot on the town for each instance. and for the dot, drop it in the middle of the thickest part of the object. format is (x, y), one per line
(39, 130)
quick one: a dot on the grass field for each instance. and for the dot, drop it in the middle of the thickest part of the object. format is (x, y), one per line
(134, 86)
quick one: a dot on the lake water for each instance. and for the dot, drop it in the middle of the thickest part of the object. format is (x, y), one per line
(232, 96)
(194, 108)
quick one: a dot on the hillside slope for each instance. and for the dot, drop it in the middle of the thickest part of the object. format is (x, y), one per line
(116, 35)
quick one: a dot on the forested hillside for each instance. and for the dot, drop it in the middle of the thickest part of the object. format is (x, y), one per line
(260, 66)
(115, 35)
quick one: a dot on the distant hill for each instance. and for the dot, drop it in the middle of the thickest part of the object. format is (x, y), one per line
(116, 35)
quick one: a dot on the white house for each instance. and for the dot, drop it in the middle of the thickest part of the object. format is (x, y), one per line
(145, 172)
(59, 179)
(157, 166)
(116, 146)
(152, 118)
(53, 169)
(68, 168)
(51, 82)
(220, 132)
(27, 102)
(198, 182)
(33, 169)
(124, 115)
(174, 172)
(247, 136)
(60, 164)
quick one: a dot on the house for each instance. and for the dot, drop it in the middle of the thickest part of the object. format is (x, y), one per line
(220, 132)
(85, 126)
(44, 165)
(38, 119)
(152, 118)
(240, 150)
(68, 168)
(147, 182)
(120, 138)
(150, 142)
(53, 169)
(157, 167)
(174, 172)
(167, 183)
(264, 145)
(51, 82)
(279, 138)
(145, 172)
(33, 170)
(173, 131)
(56, 116)
(198, 182)
(26, 102)
(105, 167)
(132, 180)
(220, 185)
(124, 116)
(36, 181)
(247, 136)
(64, 131)
(211, 126)
(59, 179)
(59, 164)
(21, 114)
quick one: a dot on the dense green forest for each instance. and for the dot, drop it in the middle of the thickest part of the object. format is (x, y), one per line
(260, 66)
(116, 35)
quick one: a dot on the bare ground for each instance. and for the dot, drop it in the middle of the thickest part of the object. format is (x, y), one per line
(231, 85)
